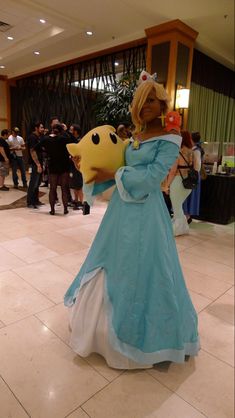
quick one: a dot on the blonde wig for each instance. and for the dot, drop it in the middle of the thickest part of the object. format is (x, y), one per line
(140, 97)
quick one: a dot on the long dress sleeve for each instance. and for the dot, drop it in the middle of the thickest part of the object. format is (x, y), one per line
(135, 185)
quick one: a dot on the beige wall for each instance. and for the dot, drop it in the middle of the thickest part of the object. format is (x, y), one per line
(4, 117)
(3, 125)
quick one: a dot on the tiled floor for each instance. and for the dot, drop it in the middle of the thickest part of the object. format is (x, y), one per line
(40, 376)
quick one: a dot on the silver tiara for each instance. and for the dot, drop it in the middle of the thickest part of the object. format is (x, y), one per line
(144, 76)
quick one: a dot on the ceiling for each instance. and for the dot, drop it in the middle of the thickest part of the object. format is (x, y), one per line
(63, 36)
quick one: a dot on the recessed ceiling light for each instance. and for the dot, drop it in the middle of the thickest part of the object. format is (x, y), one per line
(89, 32)
(116, 63)
(42, 20)
(10, 38)
(36, 52)
(2, 66)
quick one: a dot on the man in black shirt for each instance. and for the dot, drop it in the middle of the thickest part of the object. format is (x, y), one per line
(4, 159)
(35, 158)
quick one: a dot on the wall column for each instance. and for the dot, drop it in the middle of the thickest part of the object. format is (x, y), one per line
(170, 55)
(4, 103)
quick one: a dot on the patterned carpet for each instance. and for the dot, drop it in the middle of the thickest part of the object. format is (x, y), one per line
(20, 202)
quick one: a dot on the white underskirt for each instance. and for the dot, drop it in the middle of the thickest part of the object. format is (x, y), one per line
(180, 226)
(89, 326)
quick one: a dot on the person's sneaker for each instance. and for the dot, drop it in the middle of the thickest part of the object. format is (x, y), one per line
(32, 207)
(86, 208)
(44, 185)
(40, 203)
(4, 188)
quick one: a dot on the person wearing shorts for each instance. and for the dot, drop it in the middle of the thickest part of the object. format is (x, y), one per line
(4, 159)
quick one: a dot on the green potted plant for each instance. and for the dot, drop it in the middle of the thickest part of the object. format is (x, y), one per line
(112, 104)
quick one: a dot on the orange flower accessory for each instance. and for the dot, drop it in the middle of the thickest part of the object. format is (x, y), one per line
(173, 121)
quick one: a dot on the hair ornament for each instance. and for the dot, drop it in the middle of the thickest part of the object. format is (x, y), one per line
(173, 121)
(144, 76)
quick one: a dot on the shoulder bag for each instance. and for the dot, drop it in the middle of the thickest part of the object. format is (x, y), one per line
(191, 181)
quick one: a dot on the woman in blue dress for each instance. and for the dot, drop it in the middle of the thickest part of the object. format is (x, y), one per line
(129, 301)
(191, 205)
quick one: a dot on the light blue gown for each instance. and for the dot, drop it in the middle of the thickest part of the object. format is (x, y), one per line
(150, 314)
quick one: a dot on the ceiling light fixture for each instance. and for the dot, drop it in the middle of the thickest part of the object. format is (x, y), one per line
(42, 20)
(2, 66)
(36, 52)
(89, 32)
(10, 38)
(116, 64)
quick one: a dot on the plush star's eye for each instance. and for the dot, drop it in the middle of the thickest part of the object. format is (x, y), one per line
(95, 139)
(113, 138)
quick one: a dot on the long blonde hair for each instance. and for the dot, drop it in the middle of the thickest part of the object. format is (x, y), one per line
(140, 97)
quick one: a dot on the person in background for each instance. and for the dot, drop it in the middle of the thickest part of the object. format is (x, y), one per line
(191, 205)
(58, 164)
(178, 193)
(45, 174)
(4, 159)
(76, 181)
(54, 120)
(17, 145)
(123, 131)
(36, 162)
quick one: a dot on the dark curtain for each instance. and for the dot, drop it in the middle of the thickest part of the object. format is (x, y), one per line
(69, 92)
(211, 74)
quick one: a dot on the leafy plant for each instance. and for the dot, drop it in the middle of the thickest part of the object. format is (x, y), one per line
(112, 104)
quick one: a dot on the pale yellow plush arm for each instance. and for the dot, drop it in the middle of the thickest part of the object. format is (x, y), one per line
(73, 150)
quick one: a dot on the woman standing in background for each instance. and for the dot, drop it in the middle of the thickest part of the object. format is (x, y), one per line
(191, 205)
(58, 164)
(178, 193)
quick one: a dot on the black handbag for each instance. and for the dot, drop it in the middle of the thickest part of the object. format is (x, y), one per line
(191, 181)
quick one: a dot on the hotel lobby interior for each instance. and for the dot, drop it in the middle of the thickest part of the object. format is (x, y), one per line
(55, 59)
